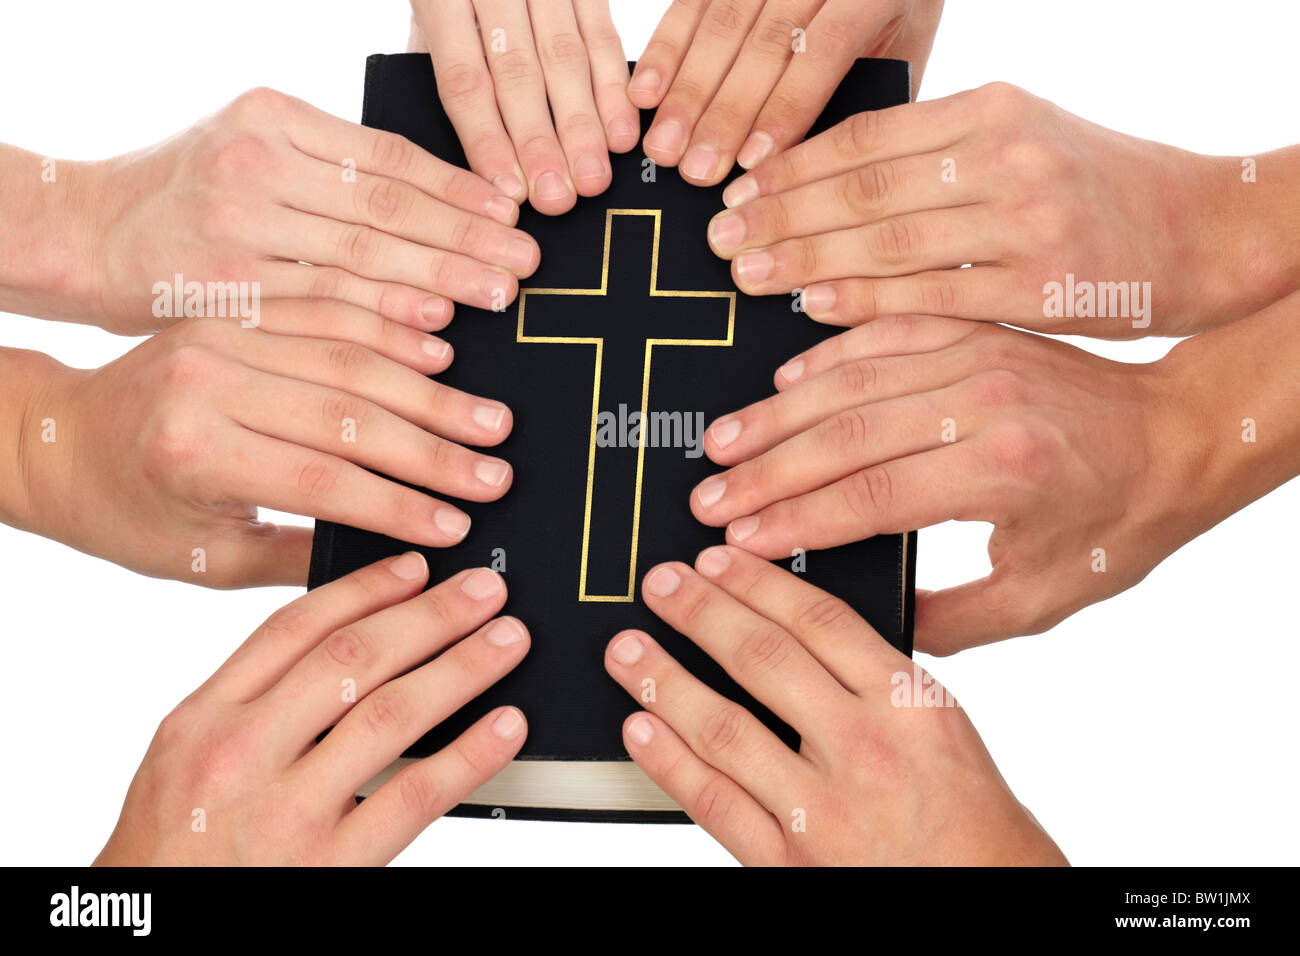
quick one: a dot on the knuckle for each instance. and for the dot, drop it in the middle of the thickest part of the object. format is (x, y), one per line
(1014, 452)
(326, 283)
(859, 135)
(386, 202)
(773, 34)
(857, 379)
(436, 607)
(999, 388)
(696, 608)
(578, 125)
(261, 101)
(867, 187)
(386, 711)
(191, 364)
(237, 158)
(892, 242)
(713, 803)
(763, 651)
(513, 68)
(347, 359)
(725, 18)
(566, 50)
(316, 479)
(418, 793)
(349, 647)
(462, 80)
(824, 613)
(720, 733)
(847, 432)
(287, 623)
(869, 493)
(1003, 100)
(938, 295)
(392, 153)
(356, 245)
(338, 407)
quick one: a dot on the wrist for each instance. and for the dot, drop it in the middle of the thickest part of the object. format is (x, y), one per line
(35, 439)
(49, 237)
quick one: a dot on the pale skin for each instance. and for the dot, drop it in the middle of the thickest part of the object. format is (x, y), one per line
(537, 91)
(874, 217)
(248, 195)
(737, 81)
(234, 775)
(175, 445)
(1091, 471)
(872, 783)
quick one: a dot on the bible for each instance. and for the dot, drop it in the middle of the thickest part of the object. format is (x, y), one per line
(628, 340)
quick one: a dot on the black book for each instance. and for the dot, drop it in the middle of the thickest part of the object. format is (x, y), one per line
(630, 318)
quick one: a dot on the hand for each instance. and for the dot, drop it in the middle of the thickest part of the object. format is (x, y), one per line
(1084, 466)
(738, 82)
(873, 216)
(234, 775)
(872, 784)
(161, 458)
(269, 182)
(536, 90)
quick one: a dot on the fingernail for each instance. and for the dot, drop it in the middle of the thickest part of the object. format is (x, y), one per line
(726, 233)
(754, 267)
(510, 184)
(503, 209)
(489, 417)
(713, 562)
(641, 731)
(792, 370)
(491, 473)
(452, 523)
(628, 650)
(666, 138)
(663, 582)
(646, 81)
(409, 566)
(435, 312)
(505, 632)
(757, 148)
(435, 346)
(726, 431)
(711, 490)
(521, 256)
(742, 528)
(740, 192)
(620, 132)
(700, 162)
(481, 584)
(818, 299)
(508, 724)
(552, 186)
(493, 285)
(589, 167)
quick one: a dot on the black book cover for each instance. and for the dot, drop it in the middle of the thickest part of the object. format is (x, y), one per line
(631, 308)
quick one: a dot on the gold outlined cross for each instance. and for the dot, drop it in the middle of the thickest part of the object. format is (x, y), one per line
(599, 343)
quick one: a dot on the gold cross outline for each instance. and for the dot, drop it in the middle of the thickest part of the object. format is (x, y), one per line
(599, 343)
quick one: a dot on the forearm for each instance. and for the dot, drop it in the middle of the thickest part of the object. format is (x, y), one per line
(47, 243)
(1239, 405)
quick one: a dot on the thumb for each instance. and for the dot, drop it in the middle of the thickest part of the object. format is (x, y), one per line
(975, 613)
(261, 555)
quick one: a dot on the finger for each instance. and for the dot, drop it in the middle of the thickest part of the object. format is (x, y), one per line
(609, 77)
(400, 209)
(800, 408)
(663, 55)
(848, 442)
(402, 808)
(709, 797)
(261, 554)
(944, 484)
(726, 122)
(467, 94)
(350, 662)
(873, 136)
(989, 293)
(711, 54)
(867, 194)
(286, 477)
(567, 70)
(400, 303)
(345, 322)
(720, 732)
(507, 37)
(293, 630)
(902, 245)
(356, 370)
(395, 715)
(841, 32)
(367, 252)
(348, 145)
(1001, 606)
(343, 424)
(887, 336)
(840, 640)
(763, 658)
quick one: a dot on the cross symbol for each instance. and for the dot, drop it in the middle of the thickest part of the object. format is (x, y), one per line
(628, 359)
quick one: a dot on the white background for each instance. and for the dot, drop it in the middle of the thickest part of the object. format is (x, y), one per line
(1157, 728)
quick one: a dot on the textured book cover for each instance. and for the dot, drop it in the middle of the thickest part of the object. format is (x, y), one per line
(628, 340)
